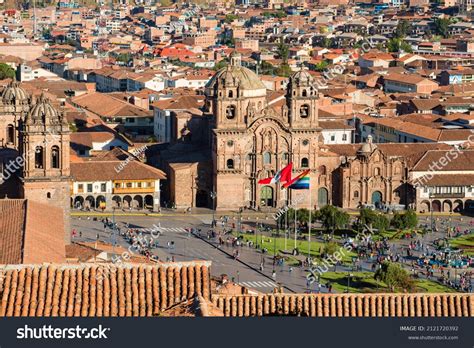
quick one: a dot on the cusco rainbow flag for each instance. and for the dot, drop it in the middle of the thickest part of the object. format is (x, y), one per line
(301, 182)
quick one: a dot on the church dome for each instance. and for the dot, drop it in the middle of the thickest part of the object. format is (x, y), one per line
(368, 146)
(235, 75)
(301, 78)
(14, 93)
(43, 112)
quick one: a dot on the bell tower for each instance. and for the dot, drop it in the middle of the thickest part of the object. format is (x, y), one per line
(45, 149)
(302, 101)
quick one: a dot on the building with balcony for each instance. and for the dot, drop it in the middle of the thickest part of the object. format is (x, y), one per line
(444, 181)
(127, 184)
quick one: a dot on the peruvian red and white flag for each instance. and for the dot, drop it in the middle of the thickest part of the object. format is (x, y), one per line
(283, 176)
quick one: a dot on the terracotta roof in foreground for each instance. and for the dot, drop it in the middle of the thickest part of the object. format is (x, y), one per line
(347, 305)
(68, 290)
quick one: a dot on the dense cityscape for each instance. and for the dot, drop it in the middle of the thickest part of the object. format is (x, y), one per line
(236, 158)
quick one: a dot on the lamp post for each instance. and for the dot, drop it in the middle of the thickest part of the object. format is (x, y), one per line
(256, 232)
(431, 196)
(349, 275)
(240, 220)
(213, 195)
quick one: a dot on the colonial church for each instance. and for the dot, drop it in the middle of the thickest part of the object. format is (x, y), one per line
(34, 150)
(254, 136)
(250, 133)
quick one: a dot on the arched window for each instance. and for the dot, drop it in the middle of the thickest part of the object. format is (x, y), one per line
(356, 194)
(304, 93)
(322, 170)
(230, 112)
(230, 164)
(39, 160)
(376, 171)
(10, 134)
(55, 157)
(267, 158)
(231, 94)
(304, 162)
(304, 111)
(48, 195)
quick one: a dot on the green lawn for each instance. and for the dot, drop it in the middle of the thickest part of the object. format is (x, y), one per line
(394, 234)
(316, 247)
(466, 243)
(431, 286)
(364, 282)
(360, 282)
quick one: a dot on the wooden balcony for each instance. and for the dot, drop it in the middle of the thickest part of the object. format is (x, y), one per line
(130, 190)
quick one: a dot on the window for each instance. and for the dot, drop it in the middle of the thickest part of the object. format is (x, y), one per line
(117, 185)
(344, 137)
(231, 94)
(39, 157)
(322, 170)
(267, 158)
(333, 137)
(139, 184)
(304, 111)
(80, 188)
(130, 120)
(356, 194)
(230, 112)
(10, 134)
(304, 93)
(55, 157)
(89, 187)
(304, 162)
(48, 195)
(129, 185)
(103, 187)
(305, 142)
(230, 143)
(377, 171)
(230, 164)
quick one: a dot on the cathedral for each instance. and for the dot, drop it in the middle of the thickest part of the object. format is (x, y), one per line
(254, 136)
(34, 150)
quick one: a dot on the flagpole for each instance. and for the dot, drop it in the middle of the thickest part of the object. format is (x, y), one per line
(296, 208)
(286, 221)
(309, 222)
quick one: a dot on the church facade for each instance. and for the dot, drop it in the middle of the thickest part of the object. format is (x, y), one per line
(253, 137)
(34, 150)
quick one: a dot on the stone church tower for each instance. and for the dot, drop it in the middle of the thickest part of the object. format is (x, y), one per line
(255, 136)
(45, 146)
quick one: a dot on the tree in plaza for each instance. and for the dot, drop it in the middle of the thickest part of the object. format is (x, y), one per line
(405, 221)
(6, 71)
(372, 219)
(332, 218)
(302, 215)
(330, 248)
(394, 276)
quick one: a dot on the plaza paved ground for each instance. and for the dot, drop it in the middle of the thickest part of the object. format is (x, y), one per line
(246, 270)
